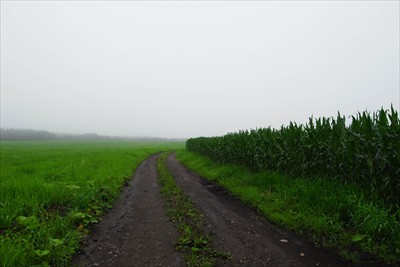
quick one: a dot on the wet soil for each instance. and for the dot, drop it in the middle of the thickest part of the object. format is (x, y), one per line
(136, 231)
(239, 230)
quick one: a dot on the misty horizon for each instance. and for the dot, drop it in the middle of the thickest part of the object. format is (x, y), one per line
(347, 117)
(191, 68)
(15, 134)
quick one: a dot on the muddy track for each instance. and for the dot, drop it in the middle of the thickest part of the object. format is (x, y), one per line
(239, 230)
(136, 231)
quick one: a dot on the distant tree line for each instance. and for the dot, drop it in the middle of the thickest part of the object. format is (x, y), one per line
(7, 134)
(25, 134)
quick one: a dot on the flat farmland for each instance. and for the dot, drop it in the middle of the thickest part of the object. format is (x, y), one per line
(252, 198)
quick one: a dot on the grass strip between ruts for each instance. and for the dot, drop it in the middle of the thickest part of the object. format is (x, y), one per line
(193, 242)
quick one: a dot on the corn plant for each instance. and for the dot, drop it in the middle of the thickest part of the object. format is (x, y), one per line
(365, 151)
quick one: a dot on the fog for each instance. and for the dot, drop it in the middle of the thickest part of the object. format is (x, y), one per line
(193, 68)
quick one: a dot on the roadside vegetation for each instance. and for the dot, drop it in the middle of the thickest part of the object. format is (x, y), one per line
(329, 213)
(51, 191)
(193, 242)
(335, 183)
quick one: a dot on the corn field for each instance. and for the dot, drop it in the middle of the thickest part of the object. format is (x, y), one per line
(366, 151)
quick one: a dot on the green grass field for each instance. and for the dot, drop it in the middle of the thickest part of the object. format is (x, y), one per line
(50, 191)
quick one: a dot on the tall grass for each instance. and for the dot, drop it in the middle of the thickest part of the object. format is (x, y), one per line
(366, 151)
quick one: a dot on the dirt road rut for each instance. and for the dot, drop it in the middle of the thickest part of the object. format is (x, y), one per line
(136, 232)
(237, 229)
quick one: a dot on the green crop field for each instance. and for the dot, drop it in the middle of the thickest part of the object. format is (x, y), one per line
(367, 151)
(337, 183)
(51, 190)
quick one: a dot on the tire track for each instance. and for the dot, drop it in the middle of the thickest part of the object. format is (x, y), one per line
(136, 231)
(237, 229)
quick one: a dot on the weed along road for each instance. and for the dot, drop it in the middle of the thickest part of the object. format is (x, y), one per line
(137, 232)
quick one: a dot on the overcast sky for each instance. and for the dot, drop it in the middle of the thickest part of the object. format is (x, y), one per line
(194, 68)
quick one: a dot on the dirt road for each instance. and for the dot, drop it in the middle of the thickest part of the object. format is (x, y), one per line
(136, 232)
